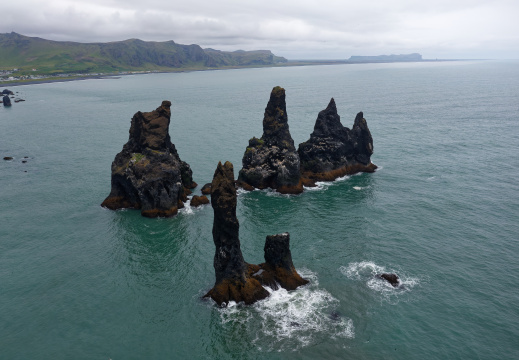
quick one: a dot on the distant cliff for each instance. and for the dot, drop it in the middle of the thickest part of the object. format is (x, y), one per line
(386, 58)
(54, 57)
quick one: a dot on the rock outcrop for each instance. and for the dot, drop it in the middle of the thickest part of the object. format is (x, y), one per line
(237, 280)
(233, 275)
(7, 92)
(6, 101)
(199, 200)
(272, 161)
(278, 268)
(206, 189)
(148, 173)
(333, 150)
(393, 279)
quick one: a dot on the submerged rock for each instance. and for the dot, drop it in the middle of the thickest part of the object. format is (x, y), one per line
(237, 280)
(333, 150)
(272, 161)
(393, 279)
(148, 173)
(6, 101)
(233, 276)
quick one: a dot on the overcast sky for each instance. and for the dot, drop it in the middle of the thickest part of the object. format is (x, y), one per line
(295, 29)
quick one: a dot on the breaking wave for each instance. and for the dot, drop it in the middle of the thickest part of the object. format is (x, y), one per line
(366, 271)
(290, 320)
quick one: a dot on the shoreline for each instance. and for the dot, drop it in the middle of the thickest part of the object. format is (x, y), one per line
(288, 64)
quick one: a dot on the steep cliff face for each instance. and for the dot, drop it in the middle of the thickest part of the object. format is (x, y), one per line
(272, 161)
(237, 280)
(233, 280)
(334, 150)
(148, 173)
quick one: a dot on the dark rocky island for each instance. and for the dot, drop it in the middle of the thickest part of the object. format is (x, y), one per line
(272, 161)
(334, 150)
(148, 173)
(6, 101)
(237, 280)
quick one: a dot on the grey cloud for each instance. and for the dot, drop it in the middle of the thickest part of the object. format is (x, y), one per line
(304, 28)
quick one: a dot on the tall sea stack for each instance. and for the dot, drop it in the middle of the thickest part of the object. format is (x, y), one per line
(148, 173)
(237, 280)
(334, 150)
(272, 161)
(233, 274)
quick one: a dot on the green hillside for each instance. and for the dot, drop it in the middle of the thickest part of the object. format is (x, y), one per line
(58, 57)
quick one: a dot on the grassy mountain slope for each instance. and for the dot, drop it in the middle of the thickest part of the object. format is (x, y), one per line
(54, 57)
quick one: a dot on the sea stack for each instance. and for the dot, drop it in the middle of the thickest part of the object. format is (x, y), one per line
(233, 274)
(334, 150)
(272, 160)
(237, 280)
(148, 173)
(6, 101)
(278, 268)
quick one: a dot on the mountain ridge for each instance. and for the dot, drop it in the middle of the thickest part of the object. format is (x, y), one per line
(56, 57)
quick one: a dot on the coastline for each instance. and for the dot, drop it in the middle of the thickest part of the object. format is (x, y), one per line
(287, 64)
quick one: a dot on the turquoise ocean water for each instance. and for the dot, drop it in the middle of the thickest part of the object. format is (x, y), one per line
(81, 282)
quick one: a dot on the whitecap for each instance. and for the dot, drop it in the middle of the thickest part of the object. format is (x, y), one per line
(358, 188)
(290, 320)
(366, 271)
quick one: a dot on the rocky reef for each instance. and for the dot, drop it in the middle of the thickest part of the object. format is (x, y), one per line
(272, 160)
(148, 173)
(237, 280)
(333, 150)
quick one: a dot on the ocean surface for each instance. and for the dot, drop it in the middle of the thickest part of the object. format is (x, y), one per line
(78, 281)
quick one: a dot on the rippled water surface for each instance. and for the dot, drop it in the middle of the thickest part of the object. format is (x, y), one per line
(78, 281)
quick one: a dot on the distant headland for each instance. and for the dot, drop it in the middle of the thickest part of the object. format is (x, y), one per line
(386, 58)
(26, 60)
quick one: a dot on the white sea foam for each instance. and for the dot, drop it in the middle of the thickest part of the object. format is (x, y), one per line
(188, 209)
(358, 188)
(366, 271)
(289, 320)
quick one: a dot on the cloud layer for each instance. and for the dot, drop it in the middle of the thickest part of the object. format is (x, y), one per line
(307, 29)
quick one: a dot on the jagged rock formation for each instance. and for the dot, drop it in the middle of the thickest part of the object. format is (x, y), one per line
(334, 150)
(233, 274)
(272, 161)
(237, 280)
(148, 173)
(278, 268)
(6, 101)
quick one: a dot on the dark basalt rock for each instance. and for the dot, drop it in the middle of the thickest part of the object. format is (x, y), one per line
(206, 189)
(233, 280)
(148, 173)
(199, 200)
(8, 158)
(237, 280)
(272, 161)
(6, 101)
(7, 92)
(393, 279)
(334, 150)
(278, 268)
